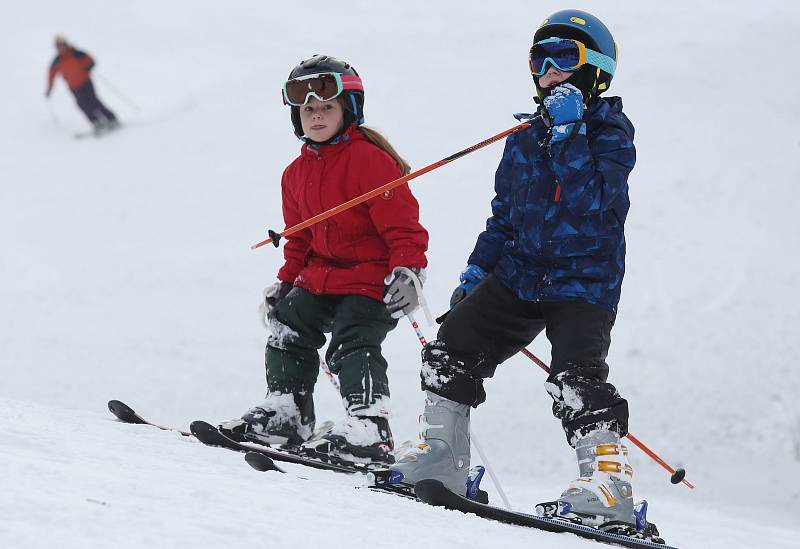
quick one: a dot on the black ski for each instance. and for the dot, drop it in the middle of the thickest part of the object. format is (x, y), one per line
(211, 436)
(261, 462)
(125, 413)
(434, 493)
(97, 134)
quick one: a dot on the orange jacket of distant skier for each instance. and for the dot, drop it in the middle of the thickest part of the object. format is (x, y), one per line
(74, 66)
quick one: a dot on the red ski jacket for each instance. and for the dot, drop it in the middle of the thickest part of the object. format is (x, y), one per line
(353, 251)
(74, 65)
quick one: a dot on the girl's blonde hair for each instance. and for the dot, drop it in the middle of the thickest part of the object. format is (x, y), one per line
(375, 137)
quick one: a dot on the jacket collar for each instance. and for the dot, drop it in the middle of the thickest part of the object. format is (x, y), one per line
(313, 150)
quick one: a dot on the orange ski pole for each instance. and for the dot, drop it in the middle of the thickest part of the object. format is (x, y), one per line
(678, 475)
(274, 237)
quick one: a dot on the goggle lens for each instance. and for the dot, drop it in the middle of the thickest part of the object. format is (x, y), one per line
(323, 86)
(564, 55)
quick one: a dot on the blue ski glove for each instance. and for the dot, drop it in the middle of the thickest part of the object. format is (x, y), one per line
(564, 104)
(470, 277)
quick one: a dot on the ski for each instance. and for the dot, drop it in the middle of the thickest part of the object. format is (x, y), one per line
(434, 493)
(126, 414)
(261, 462)
(97, 134)
(211, 436)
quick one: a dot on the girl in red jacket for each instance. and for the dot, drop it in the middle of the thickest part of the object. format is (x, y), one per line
(352, 275)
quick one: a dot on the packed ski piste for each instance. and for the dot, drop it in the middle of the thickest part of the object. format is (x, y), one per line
(551, 260)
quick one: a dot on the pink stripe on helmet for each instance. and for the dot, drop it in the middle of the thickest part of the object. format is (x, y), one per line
(352, 82)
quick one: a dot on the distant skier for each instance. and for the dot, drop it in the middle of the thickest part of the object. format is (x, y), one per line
(353, 275)
(551, 259)
(74, 66)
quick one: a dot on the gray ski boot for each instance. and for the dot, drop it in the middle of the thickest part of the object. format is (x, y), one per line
(444, 453)
(278, 420)
(602, 496)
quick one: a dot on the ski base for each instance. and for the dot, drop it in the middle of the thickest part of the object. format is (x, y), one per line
(434, 493)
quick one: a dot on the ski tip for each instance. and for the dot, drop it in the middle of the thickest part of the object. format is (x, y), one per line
(260, 462)
(123, 412)
(201, 426)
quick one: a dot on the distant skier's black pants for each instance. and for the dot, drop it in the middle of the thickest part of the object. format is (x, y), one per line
(492, 324)
(358, 325)
(91, 106)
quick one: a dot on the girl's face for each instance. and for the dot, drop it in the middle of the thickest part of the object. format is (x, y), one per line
(321, 120)
(552, 77)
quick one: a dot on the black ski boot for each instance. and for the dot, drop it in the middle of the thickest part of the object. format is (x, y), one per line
(278, 420)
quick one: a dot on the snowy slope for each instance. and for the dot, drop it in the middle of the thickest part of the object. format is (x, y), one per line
(126, 272)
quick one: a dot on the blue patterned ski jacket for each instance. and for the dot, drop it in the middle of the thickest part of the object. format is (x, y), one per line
(558, 217)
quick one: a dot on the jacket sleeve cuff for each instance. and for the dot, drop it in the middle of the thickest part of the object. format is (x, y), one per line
(407, 257)
(287, 274)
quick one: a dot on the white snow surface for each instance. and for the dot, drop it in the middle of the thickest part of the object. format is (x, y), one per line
(126, 271)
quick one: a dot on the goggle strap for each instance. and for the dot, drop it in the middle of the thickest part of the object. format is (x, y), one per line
(352, 82)
(601, 61)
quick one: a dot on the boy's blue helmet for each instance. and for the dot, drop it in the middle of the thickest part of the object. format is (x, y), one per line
(585, 27)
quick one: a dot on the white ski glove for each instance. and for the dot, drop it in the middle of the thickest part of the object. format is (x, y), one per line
(403, 293)
(272, 294)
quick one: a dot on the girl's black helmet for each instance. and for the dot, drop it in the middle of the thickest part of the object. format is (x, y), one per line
(354, 99)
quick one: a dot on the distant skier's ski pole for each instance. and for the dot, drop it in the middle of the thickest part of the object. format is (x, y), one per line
(677, 474)
(118, 93)
(274, 238)
(475, 441)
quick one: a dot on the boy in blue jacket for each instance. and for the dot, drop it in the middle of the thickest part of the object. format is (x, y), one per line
(551, 259)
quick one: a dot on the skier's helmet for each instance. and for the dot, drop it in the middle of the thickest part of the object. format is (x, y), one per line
(353, 99)
(586, 28)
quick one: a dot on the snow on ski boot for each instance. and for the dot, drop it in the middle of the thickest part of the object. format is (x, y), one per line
(354, 440)
(444, 453)
(277, 421)
(602, 496)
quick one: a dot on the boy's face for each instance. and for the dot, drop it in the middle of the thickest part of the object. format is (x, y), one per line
(553, 77)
